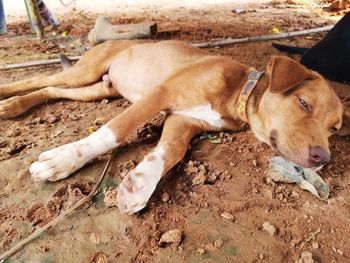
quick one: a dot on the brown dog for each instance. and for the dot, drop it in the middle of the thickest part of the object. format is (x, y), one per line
(293, 109)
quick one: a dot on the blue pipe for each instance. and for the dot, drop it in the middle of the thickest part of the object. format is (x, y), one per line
(2, 19)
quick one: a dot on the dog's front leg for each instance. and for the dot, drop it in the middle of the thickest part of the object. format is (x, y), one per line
(138, 186)
(60, 162)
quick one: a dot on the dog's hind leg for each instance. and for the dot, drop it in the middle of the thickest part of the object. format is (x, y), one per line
(138, 186)
(89, 69)
(76, 76)
(18, 105)
(60, 162)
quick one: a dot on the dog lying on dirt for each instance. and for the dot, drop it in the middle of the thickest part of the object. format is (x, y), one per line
(331, 56)
(290, 107)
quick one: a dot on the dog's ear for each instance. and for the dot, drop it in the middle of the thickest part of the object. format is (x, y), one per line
(285, 73)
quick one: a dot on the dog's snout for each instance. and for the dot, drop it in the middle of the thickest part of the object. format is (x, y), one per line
(318, 156)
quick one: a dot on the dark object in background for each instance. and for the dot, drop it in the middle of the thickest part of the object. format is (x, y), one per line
(2, 19)
(331, 56)
(46, 15)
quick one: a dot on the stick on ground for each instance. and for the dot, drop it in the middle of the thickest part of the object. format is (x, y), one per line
(39, 231)
(223, 42)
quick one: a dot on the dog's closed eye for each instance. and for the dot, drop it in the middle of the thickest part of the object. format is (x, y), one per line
(334, 129)
(306, 107)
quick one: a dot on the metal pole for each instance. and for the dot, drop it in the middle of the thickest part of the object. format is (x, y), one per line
(34, 18)
(2, 19)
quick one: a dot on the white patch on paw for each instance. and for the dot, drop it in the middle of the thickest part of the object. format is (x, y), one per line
(62, 161)
(138, 186)
(203, 113)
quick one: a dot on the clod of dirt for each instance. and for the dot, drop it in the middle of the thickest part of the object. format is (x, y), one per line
(271, 229)
(218, 243)
(95, 238)
(306, 257)
(227, 216)
(68, 195)
(165, 197)
(111, 197)
(200, 251)
(17, 147)
(210, 247)
(199, 179)
(39, 214)
(51, 118)
(173, 237)
(99, 257)
(3, 143)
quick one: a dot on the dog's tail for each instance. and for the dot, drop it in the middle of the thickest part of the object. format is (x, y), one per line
(290, 49)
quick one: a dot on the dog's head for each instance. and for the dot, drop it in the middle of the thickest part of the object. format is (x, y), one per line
(297, 113)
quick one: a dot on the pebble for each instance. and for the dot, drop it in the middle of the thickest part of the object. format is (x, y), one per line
(227, 215)
(271, 229)
(200, 251)
(218, 243)
(306, 257)
(315, 245)
(172, 237)
(165, 197)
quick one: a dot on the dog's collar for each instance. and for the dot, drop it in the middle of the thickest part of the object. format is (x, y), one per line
(247, 89)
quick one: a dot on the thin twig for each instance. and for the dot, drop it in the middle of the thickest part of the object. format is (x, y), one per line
(36, 63)
(230, 41)
(39, 231)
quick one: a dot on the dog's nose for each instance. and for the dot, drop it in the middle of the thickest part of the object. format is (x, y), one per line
(318, 156)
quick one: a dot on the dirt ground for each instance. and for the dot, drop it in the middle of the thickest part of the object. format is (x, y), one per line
(221, 218)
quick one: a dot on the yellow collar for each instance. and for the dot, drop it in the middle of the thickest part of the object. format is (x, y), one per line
(246, 90)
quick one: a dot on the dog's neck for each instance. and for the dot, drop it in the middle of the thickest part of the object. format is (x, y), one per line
(255, 121)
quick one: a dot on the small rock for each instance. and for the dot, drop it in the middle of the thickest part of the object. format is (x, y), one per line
(165, 197)
(218, 243)
(261, 256)
(306, 257)
(172, 237)
(227, 215)
(340, 252)
(211, 178)
(269, 228)
(315, 245)
(255, 163)
(199, 178)
(200, 251)
(104, 101)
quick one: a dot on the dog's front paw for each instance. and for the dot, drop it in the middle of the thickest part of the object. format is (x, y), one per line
(138, 186)
(11, 107)
(57, 163)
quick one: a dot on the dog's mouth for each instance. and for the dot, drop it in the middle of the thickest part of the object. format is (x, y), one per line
(274, 144)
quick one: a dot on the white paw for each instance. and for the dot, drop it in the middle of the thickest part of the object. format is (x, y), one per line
(60, 162)
(138, 186)
(57, 163)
